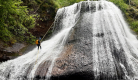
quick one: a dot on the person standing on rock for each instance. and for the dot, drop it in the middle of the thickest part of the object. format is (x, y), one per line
(38, 43)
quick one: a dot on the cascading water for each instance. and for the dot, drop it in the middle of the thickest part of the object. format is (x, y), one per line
(91, 42)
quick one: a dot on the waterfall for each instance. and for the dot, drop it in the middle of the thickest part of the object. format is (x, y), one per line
(91, 41)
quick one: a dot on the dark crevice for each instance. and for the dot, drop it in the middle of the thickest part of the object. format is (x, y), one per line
(75, 76)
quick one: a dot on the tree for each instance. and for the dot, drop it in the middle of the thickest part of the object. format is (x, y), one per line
(15, 21)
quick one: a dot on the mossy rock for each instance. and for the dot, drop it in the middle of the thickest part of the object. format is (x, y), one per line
(136, 16)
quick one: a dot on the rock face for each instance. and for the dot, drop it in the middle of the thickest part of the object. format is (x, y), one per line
(9, 52)
(99, 46)
(15, 48)
(91, 42)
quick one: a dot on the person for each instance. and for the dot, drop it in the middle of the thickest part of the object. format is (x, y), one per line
(39, 38)
(38, 43)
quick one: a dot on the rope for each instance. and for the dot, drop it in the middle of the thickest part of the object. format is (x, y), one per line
(49, 29)
(35, 62)
(45, 35)
(41, 41)
(46, 32)
(37, 56)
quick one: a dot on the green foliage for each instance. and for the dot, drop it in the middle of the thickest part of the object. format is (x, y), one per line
(15, 21)
(134, 26)
(29, 21)
(130, 11)
(121, 4)
(43, 8)
(63, 3)
(17, 16)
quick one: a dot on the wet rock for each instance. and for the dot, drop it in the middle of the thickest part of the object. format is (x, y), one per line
(62, 63)
(42, 69)
(4, 58)
(11, 52)
(15, 48)
(83, 75)
(97, 48)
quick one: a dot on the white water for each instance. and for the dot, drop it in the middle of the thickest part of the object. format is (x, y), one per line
(17, 68)
(50, 50)
(107, 19)
(112, 20)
